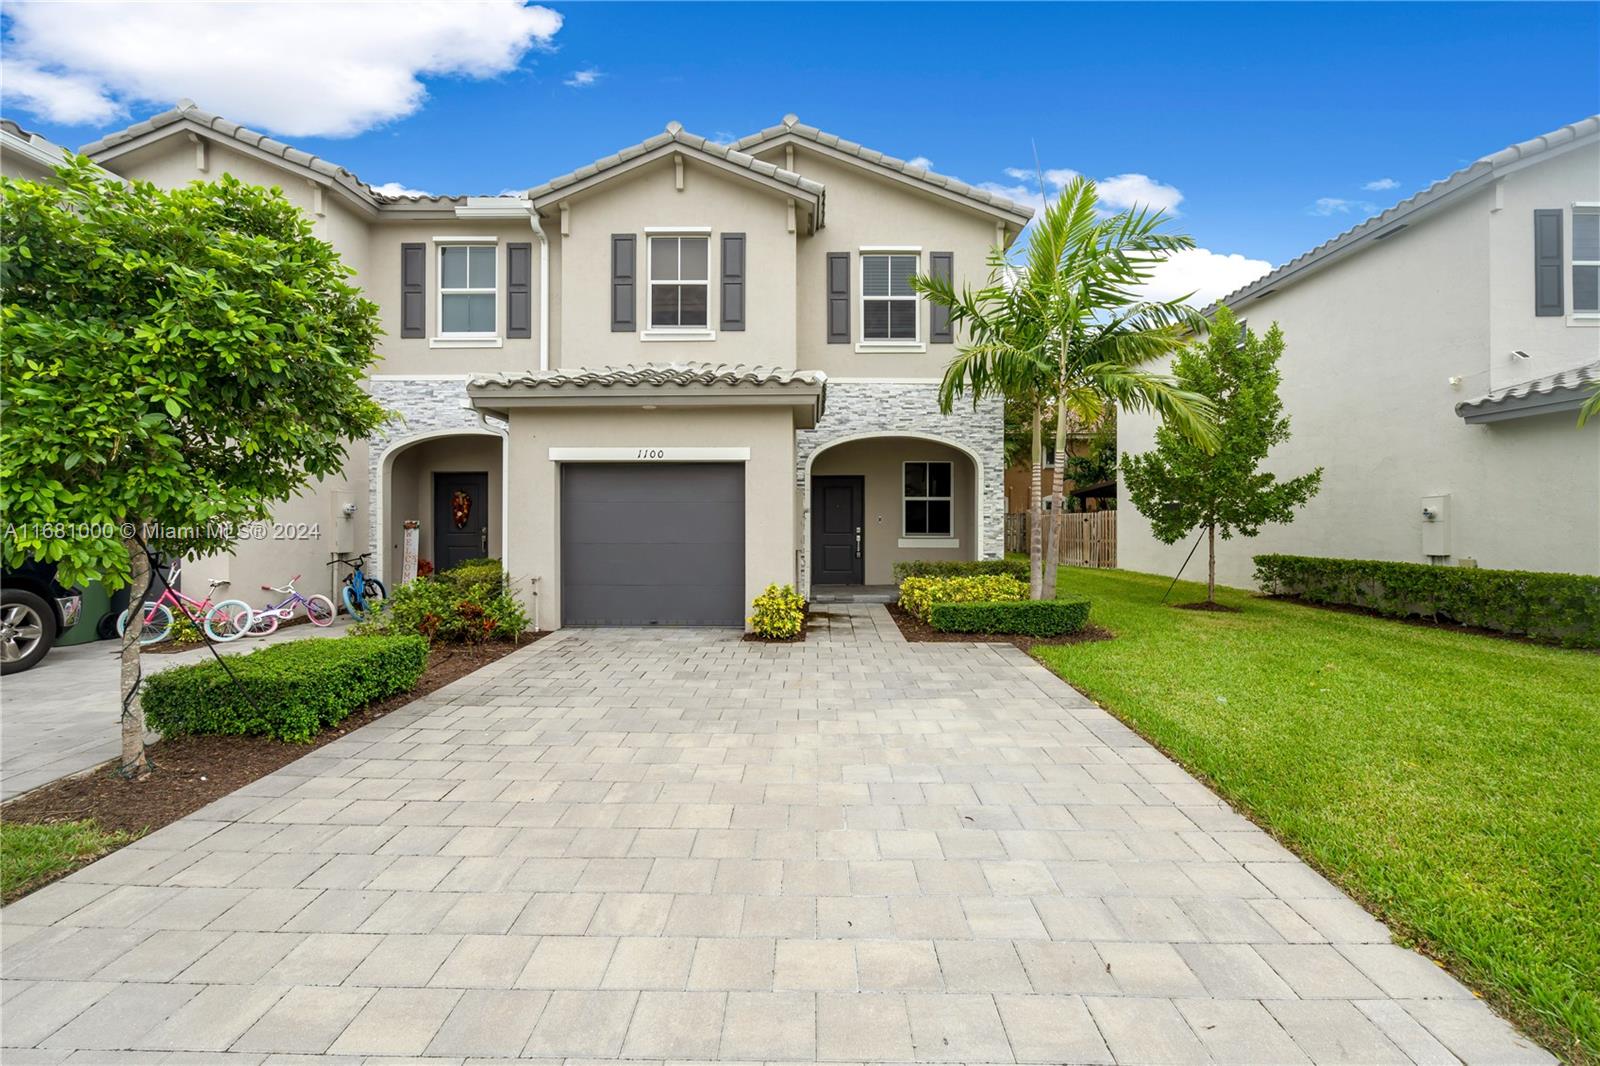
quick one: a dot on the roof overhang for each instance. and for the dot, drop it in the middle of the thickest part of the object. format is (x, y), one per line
(655, 386)
(1558, 393)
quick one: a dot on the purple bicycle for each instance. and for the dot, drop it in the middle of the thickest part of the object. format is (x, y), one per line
(319, 609)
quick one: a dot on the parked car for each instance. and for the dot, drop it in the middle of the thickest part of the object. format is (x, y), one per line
(34, 610)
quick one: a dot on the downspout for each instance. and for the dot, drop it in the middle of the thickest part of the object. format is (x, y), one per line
(544, 286)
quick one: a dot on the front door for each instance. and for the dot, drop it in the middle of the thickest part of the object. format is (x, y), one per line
(838, 510)
(460, 518)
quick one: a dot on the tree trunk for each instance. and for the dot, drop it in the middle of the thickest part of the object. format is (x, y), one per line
(1211, 572)
(134, 763)
(1036, 511)
(1057, 501)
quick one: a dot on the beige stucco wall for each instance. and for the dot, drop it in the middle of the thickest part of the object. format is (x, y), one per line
(535, 492)
(649, 198)
(1372, 344)
(878, 461)
(408, 492)
(867, 210)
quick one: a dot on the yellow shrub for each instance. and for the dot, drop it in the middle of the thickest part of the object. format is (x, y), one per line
(919, 594)
(780, 613)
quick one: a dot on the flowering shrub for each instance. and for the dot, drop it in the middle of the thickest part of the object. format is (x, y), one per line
(780, 613)
(444, 609)
(919, 594)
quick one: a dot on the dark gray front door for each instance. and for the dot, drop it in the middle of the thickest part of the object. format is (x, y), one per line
(652, 544)
(838, 506)
(460, 518)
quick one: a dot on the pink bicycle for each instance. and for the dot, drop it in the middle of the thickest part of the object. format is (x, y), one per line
(222, 622)
(319, 609)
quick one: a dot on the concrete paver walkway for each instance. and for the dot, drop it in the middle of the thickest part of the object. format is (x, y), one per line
(681, 846)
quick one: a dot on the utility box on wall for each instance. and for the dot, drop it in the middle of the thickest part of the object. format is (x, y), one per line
(344, 523)
(1436, 527)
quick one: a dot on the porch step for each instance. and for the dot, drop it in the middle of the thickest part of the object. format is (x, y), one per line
(855, 594)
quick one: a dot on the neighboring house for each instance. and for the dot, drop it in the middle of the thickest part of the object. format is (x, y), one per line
(1436, 358)
(25, 154)
(652, 386)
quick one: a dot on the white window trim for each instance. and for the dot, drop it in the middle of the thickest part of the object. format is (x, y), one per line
(675, 333)
(893, 344)
(927, 540)
(1581, 208)
(491, 339)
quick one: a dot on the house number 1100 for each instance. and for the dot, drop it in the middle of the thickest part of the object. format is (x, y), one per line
(652, 453)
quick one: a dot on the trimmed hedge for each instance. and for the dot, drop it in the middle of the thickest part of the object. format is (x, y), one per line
(919, 594)
(470, 572)
(1029, 618)
(294, 689)
(969, 568)
(1559, 607)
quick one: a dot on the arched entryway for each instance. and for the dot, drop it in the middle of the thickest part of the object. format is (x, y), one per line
(452, 484)
(872, 500)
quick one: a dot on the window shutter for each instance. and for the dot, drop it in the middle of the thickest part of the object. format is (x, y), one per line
(519, 290)
(838, 297)
(941, 265)
(624, 283)
(733, 281)
(413, 290)
(1548, 298)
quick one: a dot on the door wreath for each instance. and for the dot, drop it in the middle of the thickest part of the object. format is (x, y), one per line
(460, 508)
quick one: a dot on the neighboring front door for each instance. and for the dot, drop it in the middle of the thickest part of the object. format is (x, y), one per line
(460, 518)
(838, 511)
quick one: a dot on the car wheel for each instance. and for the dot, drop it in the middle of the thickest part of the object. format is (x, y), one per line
(27, 630)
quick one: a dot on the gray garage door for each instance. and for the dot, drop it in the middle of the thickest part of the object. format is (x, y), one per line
(652, 544)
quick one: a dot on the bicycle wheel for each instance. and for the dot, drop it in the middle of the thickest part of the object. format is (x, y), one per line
(157, 623)
(265, 623)
(352, 606)
(320, 610)
(376, 594)
(228, 620)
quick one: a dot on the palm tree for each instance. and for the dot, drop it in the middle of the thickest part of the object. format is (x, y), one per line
(1063, 330)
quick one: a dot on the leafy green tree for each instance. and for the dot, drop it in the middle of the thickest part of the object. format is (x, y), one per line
(1064, 332)
(172, 363)
(1180, 487)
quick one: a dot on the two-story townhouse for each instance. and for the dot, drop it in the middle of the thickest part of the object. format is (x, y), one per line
(653, 385)
(1436, 357)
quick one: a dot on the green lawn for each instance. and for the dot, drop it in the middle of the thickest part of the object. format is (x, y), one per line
(1450, 782)
(33, 854)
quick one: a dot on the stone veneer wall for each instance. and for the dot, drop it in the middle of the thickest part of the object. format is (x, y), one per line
(426, 405)
(855, 408)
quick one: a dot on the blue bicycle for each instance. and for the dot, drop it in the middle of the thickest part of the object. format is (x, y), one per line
(362, 594)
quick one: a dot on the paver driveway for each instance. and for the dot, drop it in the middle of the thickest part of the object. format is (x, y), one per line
(683, 846)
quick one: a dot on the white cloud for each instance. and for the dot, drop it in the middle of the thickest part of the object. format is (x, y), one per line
(395, 188)
(1333, 205)
(584, 79)
(920, 161)
(333, 70)
(1208, 275)
(1117, 193)
(1381, 185)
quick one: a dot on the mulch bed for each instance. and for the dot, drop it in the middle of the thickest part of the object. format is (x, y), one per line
(190, 772)
(916, 630)
(1220, 608)
(1425, 623)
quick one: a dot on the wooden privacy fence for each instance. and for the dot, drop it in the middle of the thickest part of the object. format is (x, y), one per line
(1088, 538)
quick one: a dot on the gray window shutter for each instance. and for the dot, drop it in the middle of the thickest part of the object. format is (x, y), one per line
(413, 290)
(733, 281)
(838, 297)
(1548, 298)
(519, 290)
(624, 283)
(941, 265)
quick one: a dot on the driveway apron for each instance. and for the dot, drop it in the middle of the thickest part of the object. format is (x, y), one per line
(678, 845)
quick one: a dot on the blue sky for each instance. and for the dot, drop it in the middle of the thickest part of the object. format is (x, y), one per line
(1277, 124)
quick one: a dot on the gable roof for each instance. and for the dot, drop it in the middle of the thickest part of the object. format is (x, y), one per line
(676, 138)
(1436, 195)
(791, 126)
(186, 115)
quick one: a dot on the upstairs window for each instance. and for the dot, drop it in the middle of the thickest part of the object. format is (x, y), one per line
(888, 303)
(1586, 260)
(927, 500)
(680, 282)
(467, 290)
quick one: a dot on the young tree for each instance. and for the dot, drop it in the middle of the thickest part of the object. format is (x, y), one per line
(1180, 487)
(1064, 332)
(174, 362)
